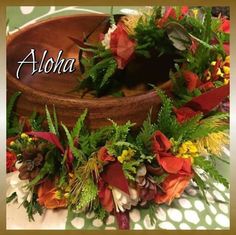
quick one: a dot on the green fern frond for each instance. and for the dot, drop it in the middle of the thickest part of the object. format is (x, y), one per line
(79, 125)
(49, 121)
(10, 107)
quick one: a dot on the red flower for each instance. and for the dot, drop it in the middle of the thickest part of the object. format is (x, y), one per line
(173, 186)
(174, 165)
(191, 79)
(160, 143)
(121, 46)
(104, 156)
(11, 160)
(206, 86)
(184, 113)
(171, 13)
(225, 25)
(105, 196)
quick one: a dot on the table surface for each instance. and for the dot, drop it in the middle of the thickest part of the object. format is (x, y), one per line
(188, 212)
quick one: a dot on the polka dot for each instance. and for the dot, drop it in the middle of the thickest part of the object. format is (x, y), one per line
(201, 228)
(174, 214)
(199, 205)
(26, 10)
(78, 222)
(147, 223)
(97, 223)
(110, 220)
(135, 215)
(90, 215)
(213, 209)
(209, 197)
(138, 227)
(184, 203)
(218, 195)
(227, 195)
(167, 225)
(224, 208)
(184, 226)
(191, 216)
(110, 228)
(208, 220)
(222, 220)
(161, 214)
(220, 186)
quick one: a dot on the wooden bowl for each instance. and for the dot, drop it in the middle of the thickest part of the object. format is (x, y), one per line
(51, 89)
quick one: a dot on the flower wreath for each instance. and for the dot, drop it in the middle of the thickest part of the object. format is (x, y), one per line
(112, 169)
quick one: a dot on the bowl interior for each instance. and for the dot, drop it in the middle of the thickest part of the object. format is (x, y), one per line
(54, 35)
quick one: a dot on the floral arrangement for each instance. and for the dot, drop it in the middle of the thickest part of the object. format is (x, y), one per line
(197, 42)
(113, 169)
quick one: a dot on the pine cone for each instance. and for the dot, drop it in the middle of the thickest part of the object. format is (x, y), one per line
(146, 186)
(33, 159)
(31, 167)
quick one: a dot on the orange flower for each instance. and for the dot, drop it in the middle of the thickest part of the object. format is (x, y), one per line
(47, 196)
(104, 156)
(173, 186)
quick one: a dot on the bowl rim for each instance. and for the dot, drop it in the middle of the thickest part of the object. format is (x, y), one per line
(61, 97)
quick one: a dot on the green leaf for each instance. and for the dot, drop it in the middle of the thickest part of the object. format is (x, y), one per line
(55, 120)
(210, 169)
(201, 184)
(49, 121)
(10, 107)
(76, 152)
(166, 122)
(112, 66)
(11, 197)
(87, 195)
(79, 125)
(187, 129)
(144, 136)
(130, 168)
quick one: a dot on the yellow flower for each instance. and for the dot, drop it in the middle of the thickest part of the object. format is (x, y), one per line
(213, 63)
(213, 143)
(58, 195)
(126, 155)
(227, 59)
(219, 72)
(195, 12)
(226, 81)
(188, 147)
(226, 69)
(24, 136)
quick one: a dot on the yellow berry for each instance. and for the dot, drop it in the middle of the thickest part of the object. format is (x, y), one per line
(12, 143)
(24, 136)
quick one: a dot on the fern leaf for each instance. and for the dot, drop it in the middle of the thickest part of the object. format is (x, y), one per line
(79, 125)
(49, 121)
(55, 120)
(10, 106)
(78, 154)
(208, 167)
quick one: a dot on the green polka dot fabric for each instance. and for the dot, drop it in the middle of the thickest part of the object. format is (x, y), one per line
(188, 212)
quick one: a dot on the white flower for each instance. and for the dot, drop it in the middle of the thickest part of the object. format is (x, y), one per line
(124, 201)
(107, 36)
(18, 186)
